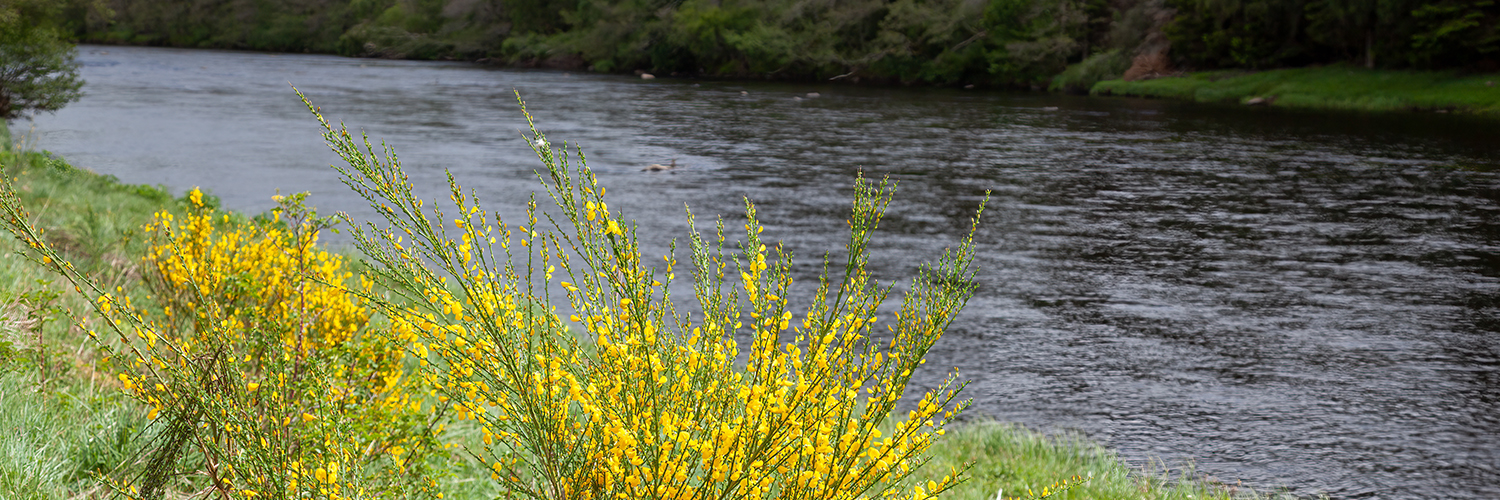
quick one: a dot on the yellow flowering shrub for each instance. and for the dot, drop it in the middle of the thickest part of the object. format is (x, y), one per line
(273, 275)
(630, 397)
(260, 369)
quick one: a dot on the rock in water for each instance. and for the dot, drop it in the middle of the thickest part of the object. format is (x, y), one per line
(657, 167)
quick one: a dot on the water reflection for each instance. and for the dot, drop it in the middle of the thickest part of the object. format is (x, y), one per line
(1287, 298)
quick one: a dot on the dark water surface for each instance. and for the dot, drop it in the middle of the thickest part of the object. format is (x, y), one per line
(1298, 299)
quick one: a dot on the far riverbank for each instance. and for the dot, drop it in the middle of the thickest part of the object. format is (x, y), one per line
(1334, 87)
(1341, 87)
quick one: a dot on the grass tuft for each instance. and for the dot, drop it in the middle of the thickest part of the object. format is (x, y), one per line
(1011, 458)
(54, 440)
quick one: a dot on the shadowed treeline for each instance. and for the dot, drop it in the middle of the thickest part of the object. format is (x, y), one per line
(941, 42)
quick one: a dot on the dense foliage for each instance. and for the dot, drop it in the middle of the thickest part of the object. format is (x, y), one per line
(944, 42)
(37, 71)
(941, 41)
(1384, 33)
(263, 377)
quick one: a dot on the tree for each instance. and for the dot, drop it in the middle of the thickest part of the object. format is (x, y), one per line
(1245, 33)
(37, 67)
(1037, 38)
(1456, 33)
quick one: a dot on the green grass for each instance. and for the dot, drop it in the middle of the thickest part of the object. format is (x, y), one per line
(1010, 458)
(56, 436)
(1329, 87)
(61, 422)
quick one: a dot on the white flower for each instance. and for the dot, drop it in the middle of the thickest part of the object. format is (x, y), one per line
(540, 142)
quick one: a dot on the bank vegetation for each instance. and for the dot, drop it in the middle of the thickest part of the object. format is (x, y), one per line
(1064, 44)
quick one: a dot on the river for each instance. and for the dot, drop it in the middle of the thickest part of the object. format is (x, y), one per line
(1296, 299)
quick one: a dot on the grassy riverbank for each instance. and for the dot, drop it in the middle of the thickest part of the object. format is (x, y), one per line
(1342, 87)
(62, 422)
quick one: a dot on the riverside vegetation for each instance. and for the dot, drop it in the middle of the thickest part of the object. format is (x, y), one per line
(1331, 87)
(160, 347)
(37, 70)
(1064, 43)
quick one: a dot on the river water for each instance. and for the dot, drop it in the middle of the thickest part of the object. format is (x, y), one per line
(1287, 299)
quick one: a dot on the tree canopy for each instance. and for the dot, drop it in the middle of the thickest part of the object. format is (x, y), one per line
(37, 67)
(1386, 33)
